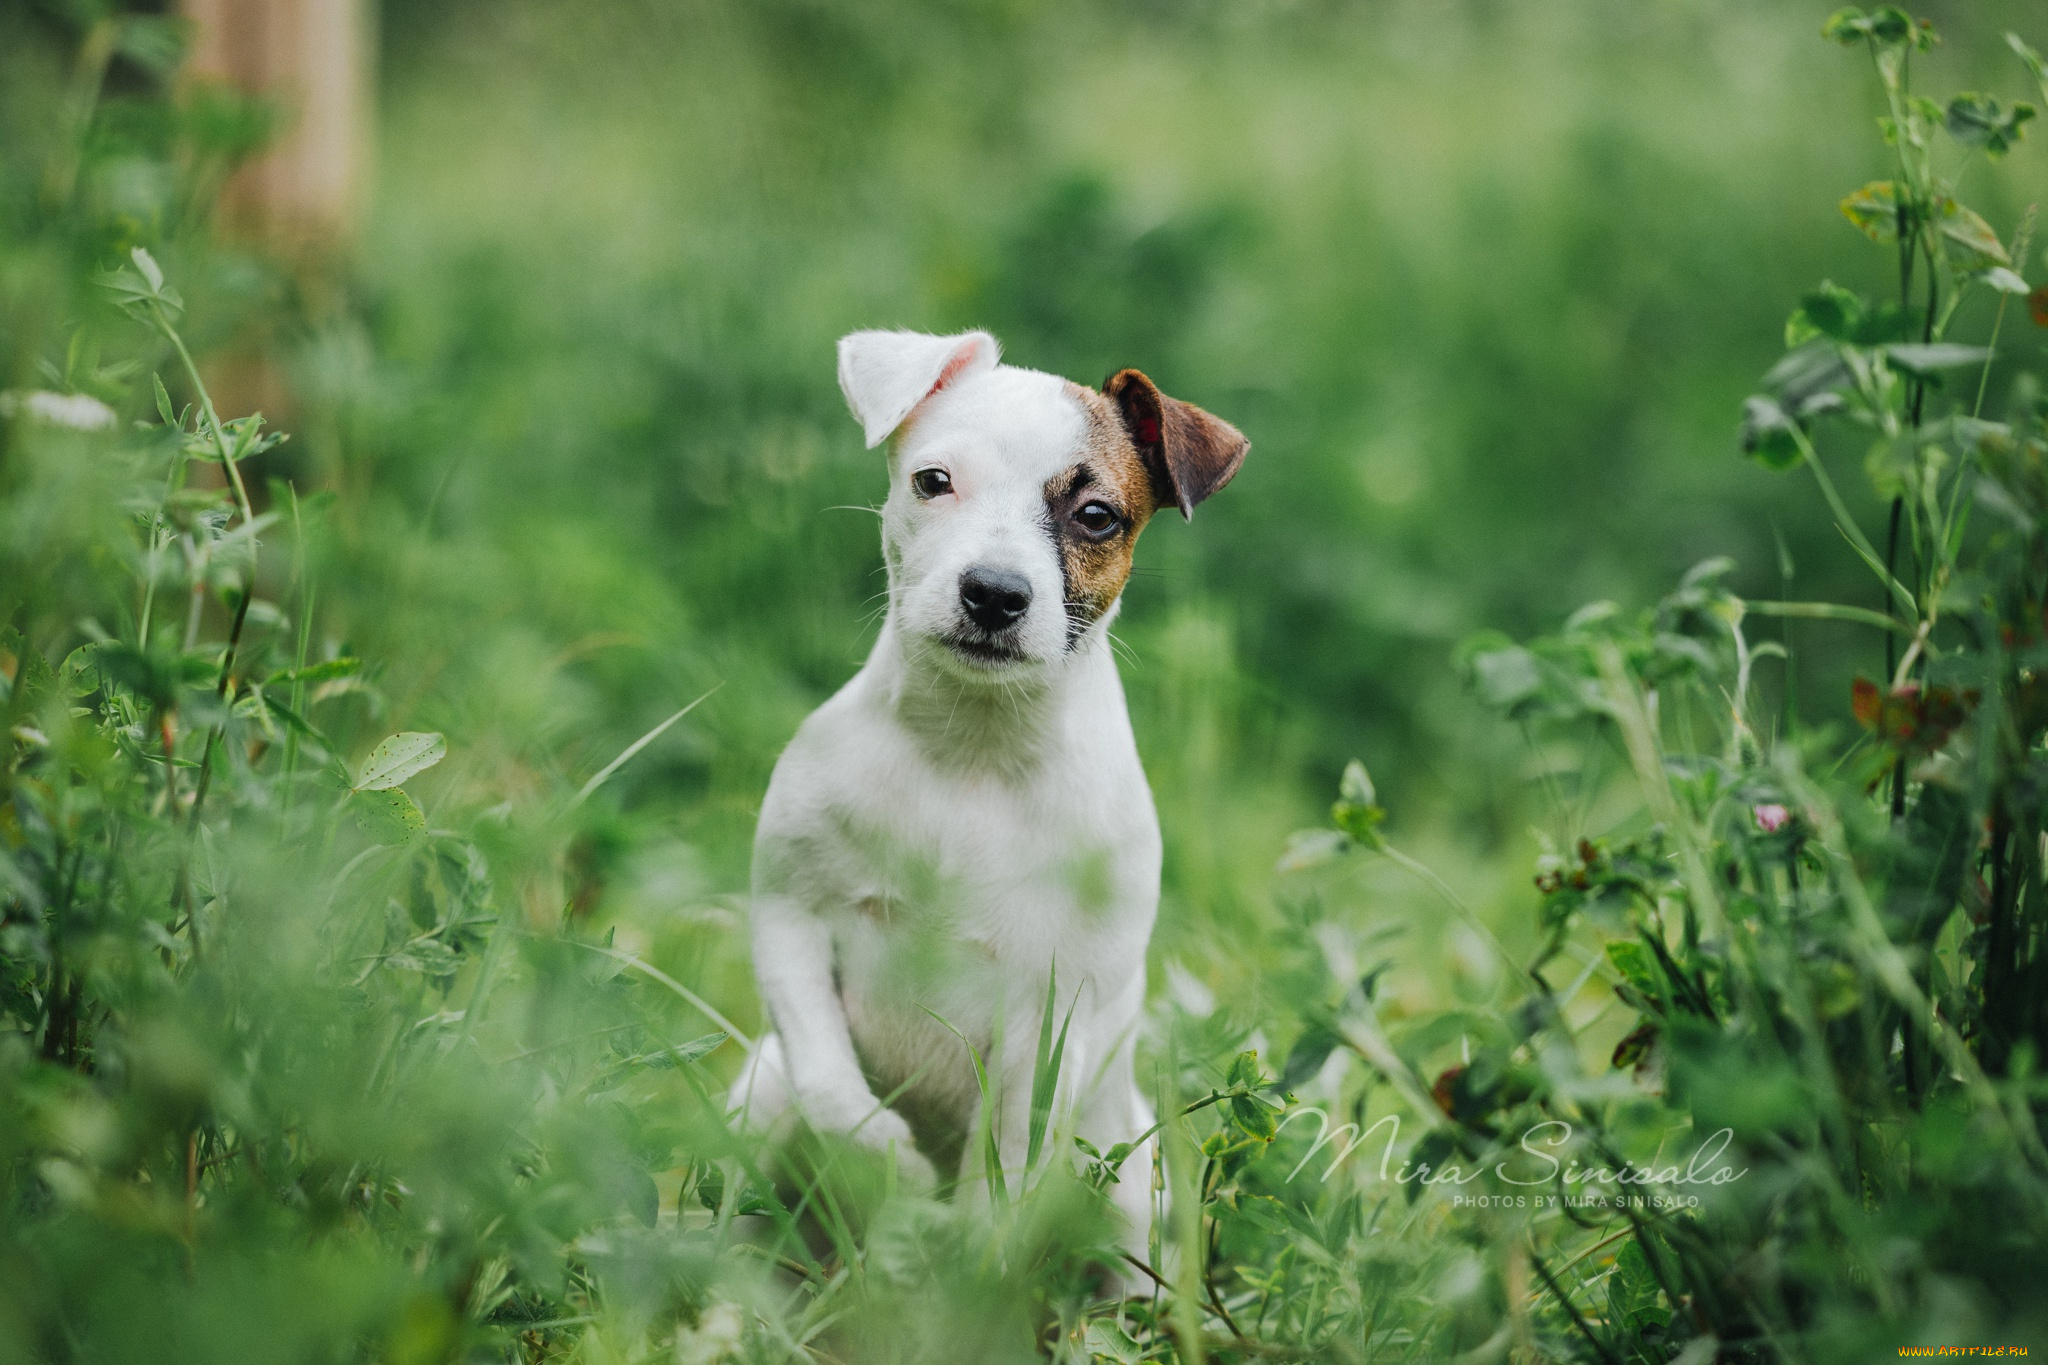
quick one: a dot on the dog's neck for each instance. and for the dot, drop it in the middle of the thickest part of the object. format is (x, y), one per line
(998, 727)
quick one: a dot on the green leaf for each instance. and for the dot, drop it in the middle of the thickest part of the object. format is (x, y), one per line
(758, 1198)
(1360, 822)
(1434, 1150)
(163, 402)
(1310, 1051)
(1889, 26)
(1769, 434)
(698, 1048)
(1633, 961)
(81, 673)
(398, 758)
(2031, 58)
(1225, 1142)
(1847, 26)
(149, 678)
(1356, 785)
(1971, 237)
(135, 296)
(1874, 210)
(1307, 848)
(32, 673)
(247, 439)
(1978, 120)
(1830, 311)
(1254, 1117)
(1930, 359)
(1803, 374)
(1632, 1049)
(1108, 1341)
(2005, 281)
(388, 816)
(151, 271)
(345, 667)
(1505, 677)
(711, 1187)
(427, 956)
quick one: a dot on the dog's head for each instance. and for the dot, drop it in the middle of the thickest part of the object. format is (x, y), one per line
(1015, 497)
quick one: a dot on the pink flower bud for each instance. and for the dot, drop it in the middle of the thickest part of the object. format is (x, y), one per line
(1772, 818)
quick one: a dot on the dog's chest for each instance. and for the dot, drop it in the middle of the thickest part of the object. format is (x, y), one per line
(964, 894)
(952, 877)
(1020, 872)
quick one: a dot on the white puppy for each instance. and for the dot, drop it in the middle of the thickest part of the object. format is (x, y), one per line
(968, 817)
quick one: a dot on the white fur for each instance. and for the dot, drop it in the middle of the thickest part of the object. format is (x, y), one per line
(944, 833)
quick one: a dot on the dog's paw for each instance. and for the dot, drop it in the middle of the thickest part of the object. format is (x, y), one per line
(914, 1174)
(885, 1131)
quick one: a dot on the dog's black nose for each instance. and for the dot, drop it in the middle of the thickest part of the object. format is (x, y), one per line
(996, 599)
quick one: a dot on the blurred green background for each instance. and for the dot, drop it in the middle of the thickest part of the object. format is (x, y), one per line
(1484, 282)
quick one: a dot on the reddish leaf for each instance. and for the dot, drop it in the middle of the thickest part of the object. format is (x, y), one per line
(1445, 1092)
(1634, 1049)
(1909, 718)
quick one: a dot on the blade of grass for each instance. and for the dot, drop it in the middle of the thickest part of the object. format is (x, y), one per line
(991, 1154)
(626, 755)
(655, 973)
(1045, 1075)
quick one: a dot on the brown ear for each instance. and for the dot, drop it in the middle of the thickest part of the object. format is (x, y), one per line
(1188, 453)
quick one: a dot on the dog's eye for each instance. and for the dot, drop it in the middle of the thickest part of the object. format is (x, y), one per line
(931, 483)
(1098, 519)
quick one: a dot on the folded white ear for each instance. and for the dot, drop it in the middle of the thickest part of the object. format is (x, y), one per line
(885, 375)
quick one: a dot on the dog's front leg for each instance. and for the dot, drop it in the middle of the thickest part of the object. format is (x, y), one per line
(793, 962)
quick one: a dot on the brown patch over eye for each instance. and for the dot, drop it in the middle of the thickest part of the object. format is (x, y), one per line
(1094, 511)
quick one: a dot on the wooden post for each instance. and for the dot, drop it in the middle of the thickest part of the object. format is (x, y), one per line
(310, 58)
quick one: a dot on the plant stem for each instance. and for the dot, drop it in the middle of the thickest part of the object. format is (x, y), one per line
(1606, 1352)
(305, 585)
(1419, 869)
(2021, 240)
(1891, 556)
(220, 692)
(220, 440)
(1999, 952)
(1849, 528)
(1825, 611)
